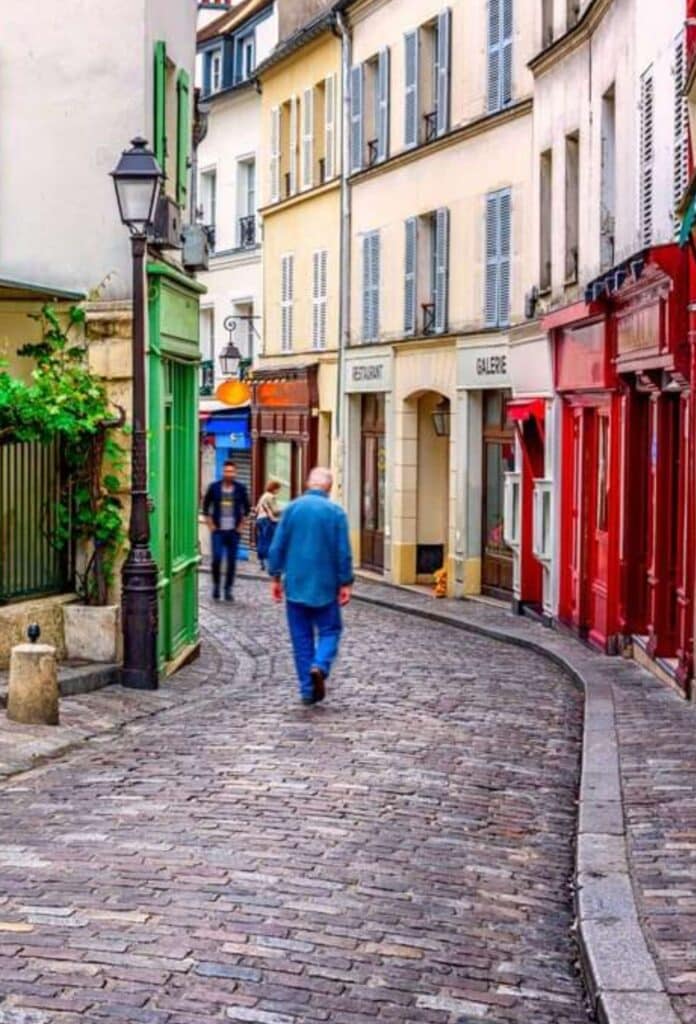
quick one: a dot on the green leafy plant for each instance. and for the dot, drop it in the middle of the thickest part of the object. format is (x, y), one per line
(65, 401)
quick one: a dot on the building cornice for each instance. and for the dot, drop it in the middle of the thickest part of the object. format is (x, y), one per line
(301, 197)
(463, 133)
(572, 40)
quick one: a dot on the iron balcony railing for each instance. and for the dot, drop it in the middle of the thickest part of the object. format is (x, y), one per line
(31, 485)
(430, 125)
(247, 232)
(428, 317)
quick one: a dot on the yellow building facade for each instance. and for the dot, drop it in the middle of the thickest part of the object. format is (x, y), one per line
(440, 143)
(295, 382)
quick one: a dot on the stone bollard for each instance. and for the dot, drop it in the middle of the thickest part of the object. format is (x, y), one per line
(32, 696)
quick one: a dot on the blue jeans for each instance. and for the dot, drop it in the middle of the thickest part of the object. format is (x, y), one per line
(225, 543)
(265, 528)
(315, 635)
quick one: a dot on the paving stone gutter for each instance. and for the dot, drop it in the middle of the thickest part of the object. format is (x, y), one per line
(618, 967)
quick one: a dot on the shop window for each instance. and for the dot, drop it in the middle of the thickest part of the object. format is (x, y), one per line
(572, 207)
(278, 457)
(545, 218)
(602, 472)
(511, 534)
(608, 180)
(543, 497)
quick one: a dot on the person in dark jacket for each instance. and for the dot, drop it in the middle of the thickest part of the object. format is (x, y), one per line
(226, 507)
(311, 562)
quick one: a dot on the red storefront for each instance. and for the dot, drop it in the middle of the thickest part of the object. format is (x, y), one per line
(622, 369)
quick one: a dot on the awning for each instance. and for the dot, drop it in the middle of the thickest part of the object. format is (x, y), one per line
(226, 424)
(688, 221)
(521, 409)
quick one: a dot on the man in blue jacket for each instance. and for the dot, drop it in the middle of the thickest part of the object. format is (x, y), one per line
(226, 506)
(311, 561)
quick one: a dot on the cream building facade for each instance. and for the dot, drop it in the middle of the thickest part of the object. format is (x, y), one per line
(440, 127)
(295, 378)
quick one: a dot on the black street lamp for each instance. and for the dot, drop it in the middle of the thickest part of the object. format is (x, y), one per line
(441, 417)
(138, 179)
(230, 360)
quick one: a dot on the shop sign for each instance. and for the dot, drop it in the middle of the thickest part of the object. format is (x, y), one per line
(484, 367)
(372, 374)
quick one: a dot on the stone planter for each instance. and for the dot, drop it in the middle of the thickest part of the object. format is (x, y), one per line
(93, 634)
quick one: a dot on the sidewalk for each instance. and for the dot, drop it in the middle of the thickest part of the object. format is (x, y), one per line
(636, 850)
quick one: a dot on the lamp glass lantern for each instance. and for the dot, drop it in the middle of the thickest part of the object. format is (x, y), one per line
(230, 359)
(138, 180)
(441, 417)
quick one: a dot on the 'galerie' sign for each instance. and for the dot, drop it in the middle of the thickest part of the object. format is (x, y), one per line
(483, 367)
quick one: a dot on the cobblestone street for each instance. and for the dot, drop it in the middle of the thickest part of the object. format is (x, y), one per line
(402, 852)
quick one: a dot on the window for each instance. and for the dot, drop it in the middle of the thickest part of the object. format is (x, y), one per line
(370, 284)
(608, 181)
(307, 152)
(427, 80)
(275, 154)
(328, 169)
(216, 71)
(572, 207)
(426, 273)
(246, 58)
(207, 333)
(246, 202)
(288, 146)
(546, 23)
(245, 335)
(545, 219)
(319, 296)
(498, 256)
(369, 112)
(499, 54)
(681, 125)
(209, 200)
(287, 299)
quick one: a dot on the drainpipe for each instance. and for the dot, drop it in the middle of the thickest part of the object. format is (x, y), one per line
(345, 276)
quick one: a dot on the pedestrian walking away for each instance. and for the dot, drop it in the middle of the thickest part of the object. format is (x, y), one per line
(311, 563)
(267, 517)
(226, 507)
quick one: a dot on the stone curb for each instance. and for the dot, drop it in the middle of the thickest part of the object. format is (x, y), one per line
(618, 967)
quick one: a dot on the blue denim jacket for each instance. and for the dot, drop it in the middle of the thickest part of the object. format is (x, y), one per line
(311, 550)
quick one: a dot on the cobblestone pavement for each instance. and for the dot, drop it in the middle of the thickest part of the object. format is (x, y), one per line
(401, 853)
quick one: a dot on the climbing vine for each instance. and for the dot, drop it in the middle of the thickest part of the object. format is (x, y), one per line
(65, 401)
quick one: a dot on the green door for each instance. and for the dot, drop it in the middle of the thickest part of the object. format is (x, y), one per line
(173, 361)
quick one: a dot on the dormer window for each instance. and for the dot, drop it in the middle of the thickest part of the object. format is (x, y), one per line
(248, 57)
(216, 71)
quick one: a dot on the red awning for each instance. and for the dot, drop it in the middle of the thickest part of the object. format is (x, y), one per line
(521, 409)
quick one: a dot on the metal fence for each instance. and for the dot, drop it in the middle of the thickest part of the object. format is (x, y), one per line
(30, 486)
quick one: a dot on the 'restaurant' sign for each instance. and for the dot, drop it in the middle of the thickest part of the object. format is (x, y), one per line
(371, 373)
(483, 367)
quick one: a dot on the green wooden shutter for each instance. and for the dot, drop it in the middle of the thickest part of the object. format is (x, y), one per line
(183, 136)
(160, 94)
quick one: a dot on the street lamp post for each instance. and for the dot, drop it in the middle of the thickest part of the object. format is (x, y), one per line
(138, 179)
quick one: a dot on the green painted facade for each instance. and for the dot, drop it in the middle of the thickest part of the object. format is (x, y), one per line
(173, 368)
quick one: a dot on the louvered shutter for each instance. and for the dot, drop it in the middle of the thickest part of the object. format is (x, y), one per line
(275, 154)
(506, 52)
(374, 285)
(319, 297)
(287, 295)
(441, 269)
(681, 126)
(160, 97)
(647, 155)
(410, 279)
(183, 136)
(505, 257)
(330, 126)
(494, 55)
(356, 118)
(444, 49)
(308, 138)
(293, 146)
(366, 297)
(491, 284)
(383, 105)
(323, 295)
(411, 85)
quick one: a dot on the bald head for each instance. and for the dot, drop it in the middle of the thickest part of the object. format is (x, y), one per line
(320, 479)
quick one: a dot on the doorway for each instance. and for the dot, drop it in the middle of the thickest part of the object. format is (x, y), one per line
(373, 482)
(498, 459)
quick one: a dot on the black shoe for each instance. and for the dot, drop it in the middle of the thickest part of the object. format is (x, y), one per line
(229, 596)
(216, 593)
(309, 700)
(318, 678)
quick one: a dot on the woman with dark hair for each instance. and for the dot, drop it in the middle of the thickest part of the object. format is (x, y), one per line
(267, 518)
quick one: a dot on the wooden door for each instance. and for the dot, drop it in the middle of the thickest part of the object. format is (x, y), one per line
(498, 457)
(373, 482)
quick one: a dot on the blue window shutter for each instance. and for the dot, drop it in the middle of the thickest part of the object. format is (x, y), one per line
(506, 53)
(494, 55)
(374, 285)
(505, 256)
(356, 118)
(383, 105)
(490, 313)
(444, 51)
(441, 269)
(207, 61)
(366, 279)
(411, 85)
(410, 276)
